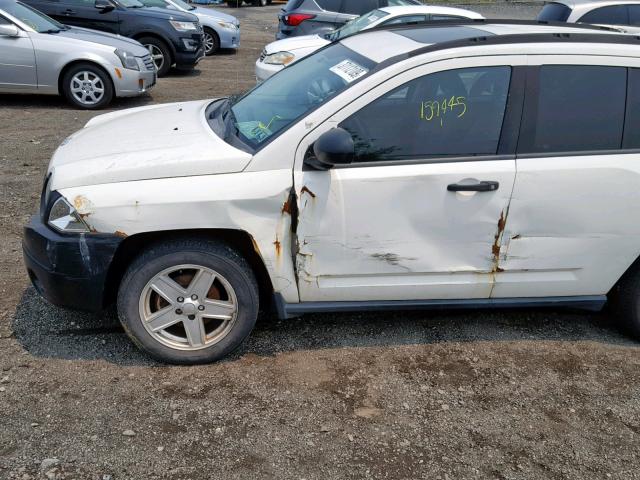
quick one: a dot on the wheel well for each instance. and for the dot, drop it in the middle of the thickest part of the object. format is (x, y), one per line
(239, 240)
(169, 45)
(66, 68)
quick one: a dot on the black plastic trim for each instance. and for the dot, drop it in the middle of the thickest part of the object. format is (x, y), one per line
(289, 310)
(422, 160)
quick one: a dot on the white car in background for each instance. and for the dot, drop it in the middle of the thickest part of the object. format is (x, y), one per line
(281, 53)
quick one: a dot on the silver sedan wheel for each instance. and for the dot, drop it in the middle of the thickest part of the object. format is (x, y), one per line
(188, 307)
(156, 55)
(87, 87)
(208, 43)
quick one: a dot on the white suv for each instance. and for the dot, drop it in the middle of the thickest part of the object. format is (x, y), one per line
(476, 165)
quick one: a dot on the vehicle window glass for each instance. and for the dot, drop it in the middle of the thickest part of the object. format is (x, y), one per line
(294, 91)
(358, 7)
(4, 21)
(451, 113)
(33, 18)
(437, 18)
(554, 12)
(357, 24)
(154, 3)
(398, 3)
(79, 3)
(631, 137)
(579, 108)
(405, 19)
(295, 4)
(329, 5)
(634, 14)
(184, 5)
(613, 15)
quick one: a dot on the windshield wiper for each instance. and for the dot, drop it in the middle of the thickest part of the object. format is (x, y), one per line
(52, 30)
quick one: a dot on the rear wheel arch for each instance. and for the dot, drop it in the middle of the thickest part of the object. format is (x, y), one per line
(239, 240)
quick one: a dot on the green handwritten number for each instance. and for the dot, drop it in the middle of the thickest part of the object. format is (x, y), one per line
(461, 101)
(439, 108)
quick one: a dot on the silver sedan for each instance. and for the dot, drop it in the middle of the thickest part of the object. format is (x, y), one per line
(90, 68)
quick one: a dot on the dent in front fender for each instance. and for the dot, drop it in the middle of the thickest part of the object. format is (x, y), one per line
(249, 201)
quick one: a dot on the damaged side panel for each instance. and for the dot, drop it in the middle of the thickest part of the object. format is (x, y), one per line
(396, 233)
(254, 202)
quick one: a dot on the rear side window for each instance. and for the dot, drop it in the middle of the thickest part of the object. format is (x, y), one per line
(634, 14)
(613, 15)
(632, 121)
(579, 108)
(554, 12)
(451, 113)
(358, 7)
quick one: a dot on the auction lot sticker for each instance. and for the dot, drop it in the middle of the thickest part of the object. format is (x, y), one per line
(348, 70)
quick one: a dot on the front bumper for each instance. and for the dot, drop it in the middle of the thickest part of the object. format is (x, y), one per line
(189, 58)
(68, 270)
(229, 38)
(265, 70)
(134, 82)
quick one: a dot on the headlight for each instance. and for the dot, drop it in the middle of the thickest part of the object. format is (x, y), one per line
(279, 58)
(64, 218)
(184, 26)
(128, 59)
(226, 25)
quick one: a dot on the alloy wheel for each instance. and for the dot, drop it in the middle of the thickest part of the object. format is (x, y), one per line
(209, 43)
(188, 307)
(87, 87)
(156, 55)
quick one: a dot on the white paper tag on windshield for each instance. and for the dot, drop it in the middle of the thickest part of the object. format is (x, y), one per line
(348, 70)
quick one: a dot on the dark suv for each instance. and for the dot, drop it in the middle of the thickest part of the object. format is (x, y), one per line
(306, 17)
(172, 37)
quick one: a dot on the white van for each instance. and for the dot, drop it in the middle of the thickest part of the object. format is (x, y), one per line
(476, 165)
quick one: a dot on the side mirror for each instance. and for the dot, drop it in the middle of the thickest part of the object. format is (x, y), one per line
(334, 147)
(104, 6)
(9, 30)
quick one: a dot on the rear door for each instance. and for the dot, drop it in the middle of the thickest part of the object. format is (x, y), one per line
(420, 214)
(17, 62)
(572, 226)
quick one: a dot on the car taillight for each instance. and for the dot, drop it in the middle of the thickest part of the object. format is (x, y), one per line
(296, 19)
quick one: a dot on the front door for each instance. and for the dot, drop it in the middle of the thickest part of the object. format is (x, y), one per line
(17, 62)
(83, 13)
(421, 212)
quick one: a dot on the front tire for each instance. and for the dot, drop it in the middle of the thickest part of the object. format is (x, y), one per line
(188, 301)
(234, 3)
(160, 54)
(211, 41)
(87, 86)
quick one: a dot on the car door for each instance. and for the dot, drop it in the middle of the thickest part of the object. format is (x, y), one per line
(421, 211)
(83, 13)
(573, 227)
(17, 61)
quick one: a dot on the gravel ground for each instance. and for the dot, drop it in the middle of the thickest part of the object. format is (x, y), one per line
(477, 394)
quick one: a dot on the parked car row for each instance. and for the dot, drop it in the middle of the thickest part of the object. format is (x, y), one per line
(93, 51)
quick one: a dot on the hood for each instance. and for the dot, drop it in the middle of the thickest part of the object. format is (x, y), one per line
(159, 141)
(157, 12)
(209, 12)
(296, 43)
(115, 41)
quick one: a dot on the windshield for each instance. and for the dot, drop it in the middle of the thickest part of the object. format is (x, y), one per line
(184, 5)
(295, 91)
(131, 3)
(356, 25)
(34, 19)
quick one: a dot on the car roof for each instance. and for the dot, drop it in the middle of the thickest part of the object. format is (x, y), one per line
(384, 43)
(433, 9)
(591, 4)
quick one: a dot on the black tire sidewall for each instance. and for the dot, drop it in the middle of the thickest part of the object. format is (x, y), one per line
(166, 51)
(104, 76)
(216, 40)
(139, 274)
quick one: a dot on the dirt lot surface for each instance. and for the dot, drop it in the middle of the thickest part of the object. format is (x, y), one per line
(482, 394)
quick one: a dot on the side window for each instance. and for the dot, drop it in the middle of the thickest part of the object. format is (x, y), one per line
(579, 108)
(631, 137)
(4, 21)
(450, 113)
(613, 15)
(358, 7)
(437, 18)
(329, 5)
(634, 14)
(406, 19)
(79, 3)
(154, 3)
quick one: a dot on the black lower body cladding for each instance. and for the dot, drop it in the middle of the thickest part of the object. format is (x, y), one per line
(69, 270)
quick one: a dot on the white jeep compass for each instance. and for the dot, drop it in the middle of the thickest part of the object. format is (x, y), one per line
(471, 165)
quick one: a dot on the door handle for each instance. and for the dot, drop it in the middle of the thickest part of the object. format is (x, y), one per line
(483, 186)
(68, 11)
